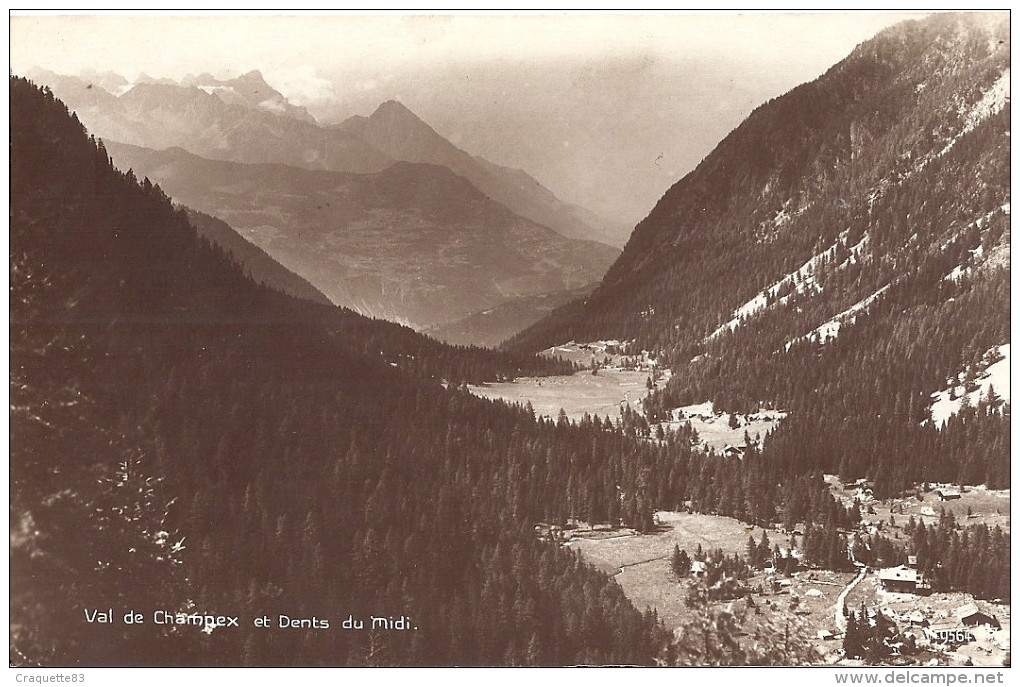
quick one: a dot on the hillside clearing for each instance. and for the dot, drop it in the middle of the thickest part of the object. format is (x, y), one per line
(640, 564)
(713, 427)
(948, 402)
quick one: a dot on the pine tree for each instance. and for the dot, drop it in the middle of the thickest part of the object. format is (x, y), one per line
(764, 550)
(680, 562)
(853, 638)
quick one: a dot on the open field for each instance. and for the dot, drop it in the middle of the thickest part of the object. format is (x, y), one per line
(602, 394)
(687, 530)
(716, 433)
(640, 564)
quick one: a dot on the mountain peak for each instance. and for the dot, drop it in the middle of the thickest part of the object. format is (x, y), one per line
(395, 108)
(252, 77)
(403, 135)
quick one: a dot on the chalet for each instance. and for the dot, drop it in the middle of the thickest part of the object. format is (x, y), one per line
(929, 511)
(698, 568)
(948, 630)
(912, 561)
(899, 579)
(971, 615)
(947, 494)
(731, 451)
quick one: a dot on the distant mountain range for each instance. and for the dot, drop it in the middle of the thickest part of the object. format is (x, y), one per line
(424, 264)
(247, 120)
(220, 120)
(414, 243)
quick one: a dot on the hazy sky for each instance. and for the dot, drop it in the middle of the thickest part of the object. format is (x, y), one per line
(606, 110)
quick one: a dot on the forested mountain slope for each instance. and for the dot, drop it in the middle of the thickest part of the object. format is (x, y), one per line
(494, 326)
(255, 262)
(841, 254)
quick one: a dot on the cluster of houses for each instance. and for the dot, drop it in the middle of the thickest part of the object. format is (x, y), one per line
(905, 579)
(864, 490)
(955, 628)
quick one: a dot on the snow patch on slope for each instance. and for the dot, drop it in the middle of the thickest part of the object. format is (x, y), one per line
(948, 402)
(830, 329)
(801, 279)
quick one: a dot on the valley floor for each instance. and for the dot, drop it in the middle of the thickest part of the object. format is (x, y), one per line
(603, 394)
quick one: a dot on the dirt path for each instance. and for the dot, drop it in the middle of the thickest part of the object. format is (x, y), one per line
(841, 600)
(623, 568)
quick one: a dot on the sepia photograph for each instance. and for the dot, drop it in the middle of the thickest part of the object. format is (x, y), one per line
(510, 339)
